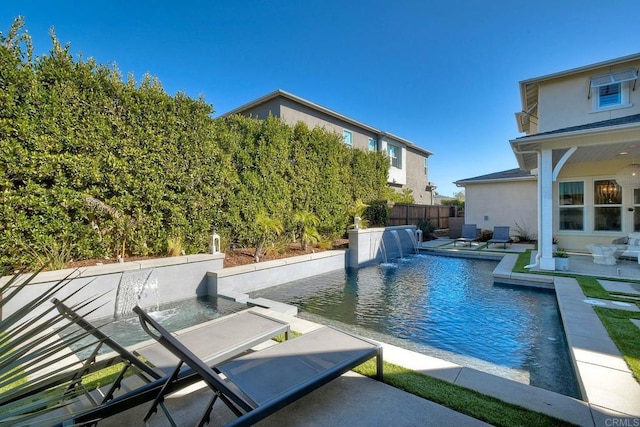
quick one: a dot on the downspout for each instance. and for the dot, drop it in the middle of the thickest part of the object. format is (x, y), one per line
(536, 262)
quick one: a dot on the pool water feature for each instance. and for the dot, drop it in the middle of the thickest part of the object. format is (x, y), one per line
(448, 308)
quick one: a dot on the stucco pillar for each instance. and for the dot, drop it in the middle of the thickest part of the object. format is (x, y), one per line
(545, 233)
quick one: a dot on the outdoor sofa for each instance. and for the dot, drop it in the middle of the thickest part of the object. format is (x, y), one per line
(629, 245)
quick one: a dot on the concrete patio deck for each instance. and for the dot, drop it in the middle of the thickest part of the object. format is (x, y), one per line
(611, 394)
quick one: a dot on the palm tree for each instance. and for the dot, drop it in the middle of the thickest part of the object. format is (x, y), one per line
(267, 226)
(307, 222)
(30, 347)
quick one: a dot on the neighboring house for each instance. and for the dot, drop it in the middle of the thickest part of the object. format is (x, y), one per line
(408, 167)
(582, 142)
(502, 198)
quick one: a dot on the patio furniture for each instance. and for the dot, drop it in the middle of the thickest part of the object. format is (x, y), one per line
(501, 235)
(470, 233)
(603, 254)
(260, 383)
(214, 342)
(629, 245)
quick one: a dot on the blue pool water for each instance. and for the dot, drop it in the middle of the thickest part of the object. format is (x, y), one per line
(448, 308)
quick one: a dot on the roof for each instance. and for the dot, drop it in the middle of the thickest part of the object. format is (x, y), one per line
(508, 175)
(529, 87)
(595, 125)
(283, 94)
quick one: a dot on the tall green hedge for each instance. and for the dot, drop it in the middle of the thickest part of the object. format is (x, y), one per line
(92, 165)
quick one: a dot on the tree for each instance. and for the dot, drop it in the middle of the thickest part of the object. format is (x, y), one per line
(307, 223)
(267, 227)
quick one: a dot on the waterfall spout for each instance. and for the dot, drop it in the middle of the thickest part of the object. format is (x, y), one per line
(135, 288)
(396, 236)
(414, 241)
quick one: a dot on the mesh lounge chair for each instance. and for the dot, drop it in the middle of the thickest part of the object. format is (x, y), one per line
(501, 235)
(260, 383)
(469, 234)
(226, 338)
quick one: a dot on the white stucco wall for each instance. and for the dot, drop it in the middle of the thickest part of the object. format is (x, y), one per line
(511, 203)
(565, 102)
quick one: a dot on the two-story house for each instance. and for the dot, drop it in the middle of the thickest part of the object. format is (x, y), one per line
(408, 163)
(582, 143)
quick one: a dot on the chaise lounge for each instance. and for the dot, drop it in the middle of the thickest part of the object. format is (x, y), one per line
(153, 365)
(470, 234)
(501, 235)
(260, 383)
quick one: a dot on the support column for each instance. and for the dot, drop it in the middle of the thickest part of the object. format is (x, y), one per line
(545, 232)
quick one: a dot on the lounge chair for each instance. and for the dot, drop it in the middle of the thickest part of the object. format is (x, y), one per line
(469, 234)
(260, 383)
(215, 341)
(501, 235)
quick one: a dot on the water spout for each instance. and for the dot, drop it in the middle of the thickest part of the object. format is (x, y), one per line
(134, 289)
(414, 241)
(383, 251)
(396, 236)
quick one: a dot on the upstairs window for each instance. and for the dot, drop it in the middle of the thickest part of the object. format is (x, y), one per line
(347, 137)
(611, 90)
(372, 144)
(426, 166)
(610, 95)
(394, 156)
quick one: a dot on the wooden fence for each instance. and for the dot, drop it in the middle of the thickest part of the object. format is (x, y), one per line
(409, 214)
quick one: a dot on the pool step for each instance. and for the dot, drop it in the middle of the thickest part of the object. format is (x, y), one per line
(273, 305)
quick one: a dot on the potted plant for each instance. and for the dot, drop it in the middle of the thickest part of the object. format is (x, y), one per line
(562, 260)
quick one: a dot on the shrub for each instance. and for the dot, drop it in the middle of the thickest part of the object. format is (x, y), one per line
(377, 213)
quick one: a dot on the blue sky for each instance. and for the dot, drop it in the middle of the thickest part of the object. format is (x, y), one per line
(442, 74)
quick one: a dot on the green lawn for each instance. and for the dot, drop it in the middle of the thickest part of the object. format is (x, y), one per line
(460, 399)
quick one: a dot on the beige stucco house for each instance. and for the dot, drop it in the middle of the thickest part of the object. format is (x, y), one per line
(408, 166)
(582, 143)
(502, 198)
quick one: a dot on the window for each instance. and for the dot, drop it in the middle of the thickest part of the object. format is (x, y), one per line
(607, 205)
(347, 137)
(372, 144)
(610, 95)
(426, 166)
(611, 90)
(571, 205)
(394, 156)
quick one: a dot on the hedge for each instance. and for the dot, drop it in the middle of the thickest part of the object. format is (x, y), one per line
(94, 165)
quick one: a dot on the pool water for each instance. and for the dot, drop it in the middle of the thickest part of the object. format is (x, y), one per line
(126, 329)
(448, 308)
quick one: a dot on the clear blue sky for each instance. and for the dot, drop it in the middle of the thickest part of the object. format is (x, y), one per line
(442, 74)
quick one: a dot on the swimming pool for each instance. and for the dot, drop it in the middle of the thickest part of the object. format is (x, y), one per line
(445, 307)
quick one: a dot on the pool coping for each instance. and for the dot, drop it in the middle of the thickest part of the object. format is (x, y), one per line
(606, 382)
